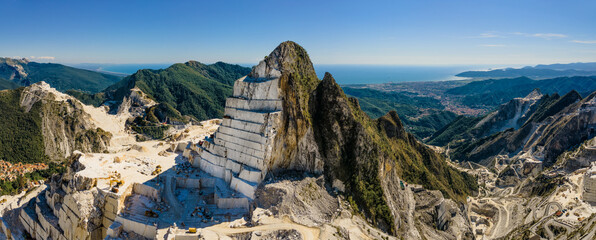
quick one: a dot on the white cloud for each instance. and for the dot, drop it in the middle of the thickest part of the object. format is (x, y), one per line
(584, 41)
(43, 58)
(492, 45)
(539, 35)
(549, 35)
(489, 35)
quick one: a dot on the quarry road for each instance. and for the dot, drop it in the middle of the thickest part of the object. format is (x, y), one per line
(306, 232)
(171, 198)
(555, 223)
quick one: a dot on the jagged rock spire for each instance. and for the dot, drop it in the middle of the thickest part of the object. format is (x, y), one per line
(534, 94)
(287, 58)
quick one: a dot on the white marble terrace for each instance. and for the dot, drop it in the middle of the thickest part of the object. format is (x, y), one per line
(239, 149)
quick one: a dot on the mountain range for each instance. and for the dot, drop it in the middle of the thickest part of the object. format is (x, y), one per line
(22, 72)
(542, 71)
(363, 161)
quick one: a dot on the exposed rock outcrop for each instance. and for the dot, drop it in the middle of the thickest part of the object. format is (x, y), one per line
(71, 208)
(12, 70)
(280, 119)
(306, 202)
(556, 124)
(66, 127)
(512, 114)
(135, 103)
(317, 129)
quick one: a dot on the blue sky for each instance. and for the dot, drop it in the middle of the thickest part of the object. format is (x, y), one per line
(333, 32)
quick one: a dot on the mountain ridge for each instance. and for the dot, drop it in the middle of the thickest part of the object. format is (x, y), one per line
(324, 131)
(22, 72)
(541, 71)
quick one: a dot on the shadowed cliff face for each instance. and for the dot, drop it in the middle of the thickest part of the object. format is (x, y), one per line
(392, 125)
(349, 152)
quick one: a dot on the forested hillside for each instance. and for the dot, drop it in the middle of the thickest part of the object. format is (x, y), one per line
(23, 73)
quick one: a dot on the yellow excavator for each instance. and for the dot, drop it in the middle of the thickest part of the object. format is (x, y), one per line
(157, 170)
(117, 183)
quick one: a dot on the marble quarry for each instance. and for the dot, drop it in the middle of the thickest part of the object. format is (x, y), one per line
(589, 193)
(239, 150)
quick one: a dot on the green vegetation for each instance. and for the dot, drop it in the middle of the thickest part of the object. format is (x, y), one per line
(368, 145)
(538, 73)
(154, 130)
(417, 163)
(21, 138)
(494, 92)
(163, 112)
(414, 162)
(545, 185)
(551, 105)
(556, 230)
(63, 77)
(387, 101)
(192, 88)
(460, 128)
(57, 75)
(422, 116)
(19, 184)
(93, 137)
(90, 99)
(6, 84)
(22, 141)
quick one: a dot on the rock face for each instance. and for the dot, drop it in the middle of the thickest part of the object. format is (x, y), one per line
(135, 103)
(281, 122)
(581, 157)
(556, 124)
(512, 114)
(241, 148)
(12, 70)
(589, 189)
(306, 201)
(71, 208)
(264, 127)
(65, 125)
(282, 117)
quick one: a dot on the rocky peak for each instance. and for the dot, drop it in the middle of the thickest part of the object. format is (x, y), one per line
(291, 67)
(329, 85)
(38, 91)
(535, 94)
(572, 96)
(13, 61)
(392, 125)
(12, 69)
(65, 125)
(287, 58)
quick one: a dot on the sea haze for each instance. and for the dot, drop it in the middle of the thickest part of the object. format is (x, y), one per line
(126, 69)
(343, 74)
(371, 74)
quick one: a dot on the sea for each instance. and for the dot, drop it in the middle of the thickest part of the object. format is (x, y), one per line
(343, 74)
